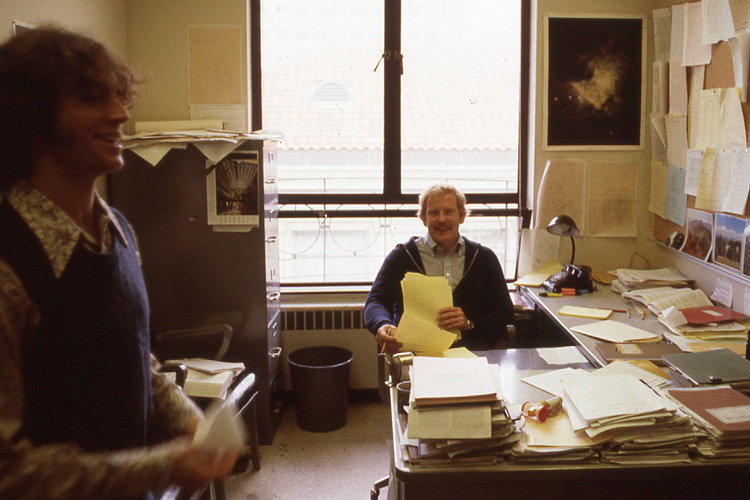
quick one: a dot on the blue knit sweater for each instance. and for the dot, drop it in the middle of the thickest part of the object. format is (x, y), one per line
(482, 293)
(86, 370)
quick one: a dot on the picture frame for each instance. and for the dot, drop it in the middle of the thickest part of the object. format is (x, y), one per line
(729, 231)
(594, 82)
(232, 190)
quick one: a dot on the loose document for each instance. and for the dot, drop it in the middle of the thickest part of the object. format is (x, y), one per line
(424, 296)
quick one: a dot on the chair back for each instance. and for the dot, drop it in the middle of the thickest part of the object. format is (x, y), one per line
(209, 342)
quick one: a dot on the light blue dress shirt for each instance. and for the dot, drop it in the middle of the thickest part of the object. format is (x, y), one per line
(437, 263)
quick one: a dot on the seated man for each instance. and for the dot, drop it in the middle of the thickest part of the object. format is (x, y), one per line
(481, 303)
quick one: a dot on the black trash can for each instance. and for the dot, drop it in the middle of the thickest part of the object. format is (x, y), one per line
(320, 383)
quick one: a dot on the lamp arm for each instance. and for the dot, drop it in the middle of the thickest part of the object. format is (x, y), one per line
(573, 254)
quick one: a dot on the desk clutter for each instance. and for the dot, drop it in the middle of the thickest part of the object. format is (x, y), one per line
(620, 414)
(694, 322)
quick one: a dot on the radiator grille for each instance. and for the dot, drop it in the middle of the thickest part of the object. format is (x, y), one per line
(322, 319)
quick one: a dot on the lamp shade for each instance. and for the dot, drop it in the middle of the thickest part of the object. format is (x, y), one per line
(562, 225)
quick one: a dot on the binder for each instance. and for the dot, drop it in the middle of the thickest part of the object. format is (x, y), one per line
(720, 366)
(649, 351)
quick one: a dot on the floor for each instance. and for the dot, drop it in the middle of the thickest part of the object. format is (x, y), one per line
(341, 464)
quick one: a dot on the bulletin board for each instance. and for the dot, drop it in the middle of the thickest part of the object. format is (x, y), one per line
(722, 58)
(719, 73)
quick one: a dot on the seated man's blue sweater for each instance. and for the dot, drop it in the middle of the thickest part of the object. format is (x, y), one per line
(482, 293)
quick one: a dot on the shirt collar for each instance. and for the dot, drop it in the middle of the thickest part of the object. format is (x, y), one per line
(54, 228)
(433, 246)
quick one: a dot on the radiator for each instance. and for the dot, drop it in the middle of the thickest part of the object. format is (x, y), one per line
(337, 325)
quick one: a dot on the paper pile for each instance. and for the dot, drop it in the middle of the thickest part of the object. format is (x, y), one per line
(641, 426)
(636, 279)
(456, 414)
(614, 412)
(723, 414)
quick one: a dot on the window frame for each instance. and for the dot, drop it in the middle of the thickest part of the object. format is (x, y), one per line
(392, 198)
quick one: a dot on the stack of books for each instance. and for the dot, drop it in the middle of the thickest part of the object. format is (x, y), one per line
(723, 415)
(636, 279)
(207, 378)
(635, 423)
(456, 414)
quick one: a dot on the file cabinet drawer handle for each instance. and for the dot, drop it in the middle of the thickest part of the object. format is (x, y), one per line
(272, 239)
(270, 181)
(275, 353)
(274, 296)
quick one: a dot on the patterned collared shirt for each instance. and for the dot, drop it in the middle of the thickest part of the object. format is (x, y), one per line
(64, 471)
(437, 263)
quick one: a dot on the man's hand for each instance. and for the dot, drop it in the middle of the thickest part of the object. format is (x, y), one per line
(452, 318)
(387, 340)
(195, 468)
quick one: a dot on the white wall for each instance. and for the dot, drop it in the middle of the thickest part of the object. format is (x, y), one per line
(602, 254)
(103, 20)
(157, 48)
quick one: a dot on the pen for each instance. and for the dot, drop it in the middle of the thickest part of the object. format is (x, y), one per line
(550, 294)
(627, 311)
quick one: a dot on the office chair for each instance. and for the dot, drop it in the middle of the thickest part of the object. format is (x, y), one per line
(212, 342)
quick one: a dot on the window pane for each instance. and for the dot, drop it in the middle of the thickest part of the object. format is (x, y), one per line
(460, 94)
(352, 250)
(320, 91)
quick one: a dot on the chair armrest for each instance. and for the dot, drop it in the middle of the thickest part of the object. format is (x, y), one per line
(179, 369)
(242, 390)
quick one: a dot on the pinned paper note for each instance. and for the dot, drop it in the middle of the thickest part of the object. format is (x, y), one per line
(723, 292)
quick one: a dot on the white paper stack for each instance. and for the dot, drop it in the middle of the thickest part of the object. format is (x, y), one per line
(634, 279)
(640, 425)
(456, 414)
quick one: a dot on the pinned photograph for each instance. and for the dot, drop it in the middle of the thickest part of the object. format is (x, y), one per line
(746, 251)
(232, 190)
(728, 235)
(699, 237)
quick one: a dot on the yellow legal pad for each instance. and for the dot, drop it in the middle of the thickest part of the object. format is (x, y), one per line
(585, 312)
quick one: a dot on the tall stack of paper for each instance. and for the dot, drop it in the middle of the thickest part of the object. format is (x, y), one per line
(635, 279)
(641, 425)
(456, 415)
(724, 415)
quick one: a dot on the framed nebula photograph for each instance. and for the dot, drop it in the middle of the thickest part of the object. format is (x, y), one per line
(594, 94)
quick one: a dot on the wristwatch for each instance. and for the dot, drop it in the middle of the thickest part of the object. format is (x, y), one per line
(470, 323)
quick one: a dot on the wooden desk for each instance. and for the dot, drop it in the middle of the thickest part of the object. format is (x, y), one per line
(556, 482)
(604, 297)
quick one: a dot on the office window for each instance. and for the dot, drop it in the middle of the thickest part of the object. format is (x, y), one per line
(377, 100)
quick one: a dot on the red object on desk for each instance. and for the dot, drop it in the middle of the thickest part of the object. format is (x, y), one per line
(710, 314)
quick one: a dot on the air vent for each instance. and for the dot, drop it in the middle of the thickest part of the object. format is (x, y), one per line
(331, 95)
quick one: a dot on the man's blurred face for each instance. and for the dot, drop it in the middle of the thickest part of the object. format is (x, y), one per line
(88, 130)
(442, 220)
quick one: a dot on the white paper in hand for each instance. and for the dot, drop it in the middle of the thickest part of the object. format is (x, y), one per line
(221, 431)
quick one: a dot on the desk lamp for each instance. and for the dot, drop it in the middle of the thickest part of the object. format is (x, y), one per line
(564, 225)
(576, 277)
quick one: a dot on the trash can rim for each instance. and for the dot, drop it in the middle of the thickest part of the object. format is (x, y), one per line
(322, 367)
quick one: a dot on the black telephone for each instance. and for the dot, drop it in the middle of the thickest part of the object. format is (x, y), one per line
(570, 277)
